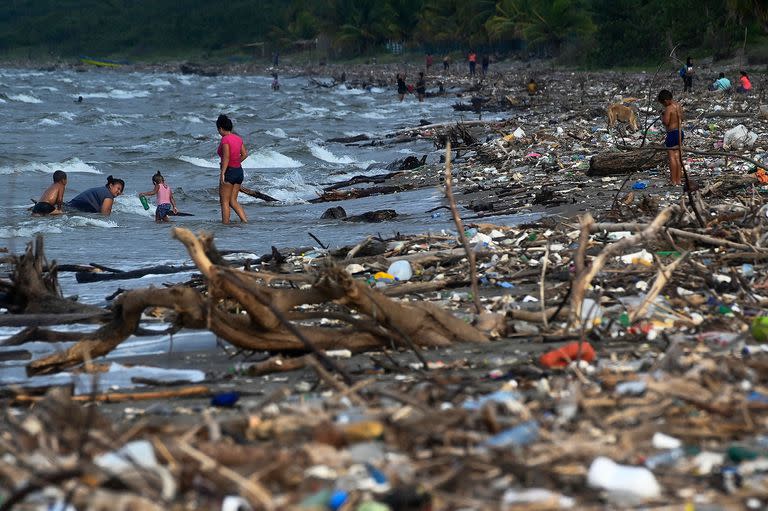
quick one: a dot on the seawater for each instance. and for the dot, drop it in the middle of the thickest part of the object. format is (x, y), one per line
(130, 125)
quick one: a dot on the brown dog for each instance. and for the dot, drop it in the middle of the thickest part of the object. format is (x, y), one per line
(622, 113)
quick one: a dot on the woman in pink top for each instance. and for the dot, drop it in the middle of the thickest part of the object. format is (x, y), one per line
(232, 152)
(744, 84)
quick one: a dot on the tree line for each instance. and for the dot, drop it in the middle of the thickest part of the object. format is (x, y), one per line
(600, 32)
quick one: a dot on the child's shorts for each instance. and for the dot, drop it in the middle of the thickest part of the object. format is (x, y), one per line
(162, 211)
(673, 138)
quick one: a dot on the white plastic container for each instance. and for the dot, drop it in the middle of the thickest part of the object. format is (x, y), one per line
(635, 483)
(401, 270)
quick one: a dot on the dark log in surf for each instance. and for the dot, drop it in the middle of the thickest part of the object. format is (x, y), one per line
(258, 195)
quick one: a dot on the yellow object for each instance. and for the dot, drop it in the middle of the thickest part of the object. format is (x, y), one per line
(760, 328)
(382, 275)
(362, 431)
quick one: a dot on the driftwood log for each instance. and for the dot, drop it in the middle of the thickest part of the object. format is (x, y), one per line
(370, 320)
(34, 286)
(625, 162)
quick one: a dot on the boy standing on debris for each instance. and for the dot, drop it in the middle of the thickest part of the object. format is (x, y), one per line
(672, 118)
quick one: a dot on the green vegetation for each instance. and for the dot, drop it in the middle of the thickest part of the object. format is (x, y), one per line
(587, 32)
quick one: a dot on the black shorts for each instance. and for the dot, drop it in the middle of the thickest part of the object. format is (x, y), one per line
(233, 175)
(43, 208)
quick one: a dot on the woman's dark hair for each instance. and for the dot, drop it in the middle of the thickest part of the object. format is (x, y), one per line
(224, 123)
(688, 62)
(111, 181)
(157, 178)
(744, 73)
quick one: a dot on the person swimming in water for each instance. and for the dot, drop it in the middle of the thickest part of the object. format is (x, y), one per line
(51, 201)
(165, 201)
(98, 199)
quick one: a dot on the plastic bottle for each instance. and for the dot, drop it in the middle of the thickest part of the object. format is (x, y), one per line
(401, 270)
(144, 201)
(522, 434)
(664, 458)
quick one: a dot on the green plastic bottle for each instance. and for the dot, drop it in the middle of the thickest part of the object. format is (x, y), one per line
(144, 201)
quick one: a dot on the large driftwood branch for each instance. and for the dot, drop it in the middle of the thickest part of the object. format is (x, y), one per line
(268, 323)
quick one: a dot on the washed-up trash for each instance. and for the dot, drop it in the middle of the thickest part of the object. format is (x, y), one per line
(234, 503)
(643, 258)
(337, 499)
(536, 497)
(759, 328)
(225, 399)
(401, 270)
(561, 357)
(505, 397)
(662, 441)
(519, 436)
(739, 138)
(635, 483)
(665, 458)
(639, 185)
(631, 388)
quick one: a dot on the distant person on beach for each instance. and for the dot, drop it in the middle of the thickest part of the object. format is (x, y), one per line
(421, 87)
(721, 84)
(79, 99)
(53, 197)
(232, 152)
(484, 64)
(744, 84)
(532, 87)
(472, 58)
(165, 202)
(402, 88)
(686, 73)
(672, 118)
(99, 199)
(428, 62)
(275, 82)
(446, 63)
(276, 58)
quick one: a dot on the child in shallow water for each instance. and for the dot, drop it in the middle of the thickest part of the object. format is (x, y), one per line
(53, 197)
(165, 201)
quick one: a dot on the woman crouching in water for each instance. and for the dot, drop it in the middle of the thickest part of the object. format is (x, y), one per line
(99, 199)
(232, 152)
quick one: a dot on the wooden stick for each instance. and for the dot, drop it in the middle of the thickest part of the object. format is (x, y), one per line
(541, 288)
(460, 228)
(662, 277)
(585, 278)
(118, 397)
(257, 494)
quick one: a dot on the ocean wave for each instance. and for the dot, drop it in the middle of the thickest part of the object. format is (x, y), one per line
(49, 122)
(270, 159)
(84, 221)
(52, 225)
(192, 118)
(24, 98)
(290, 188)
(277, 133)
(116, 94)
(30, 229)
(321, 153)
(200, 162)
(72, 165)
(376, 114)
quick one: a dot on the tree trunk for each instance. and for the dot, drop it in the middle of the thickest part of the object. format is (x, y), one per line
(614, 162)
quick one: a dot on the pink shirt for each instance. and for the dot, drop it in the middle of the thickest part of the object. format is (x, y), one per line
(163, 194)
(235, 143)
(746, 85)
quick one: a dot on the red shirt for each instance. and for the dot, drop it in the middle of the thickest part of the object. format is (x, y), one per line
(235, 143)
(745, 83)
(472, 57)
